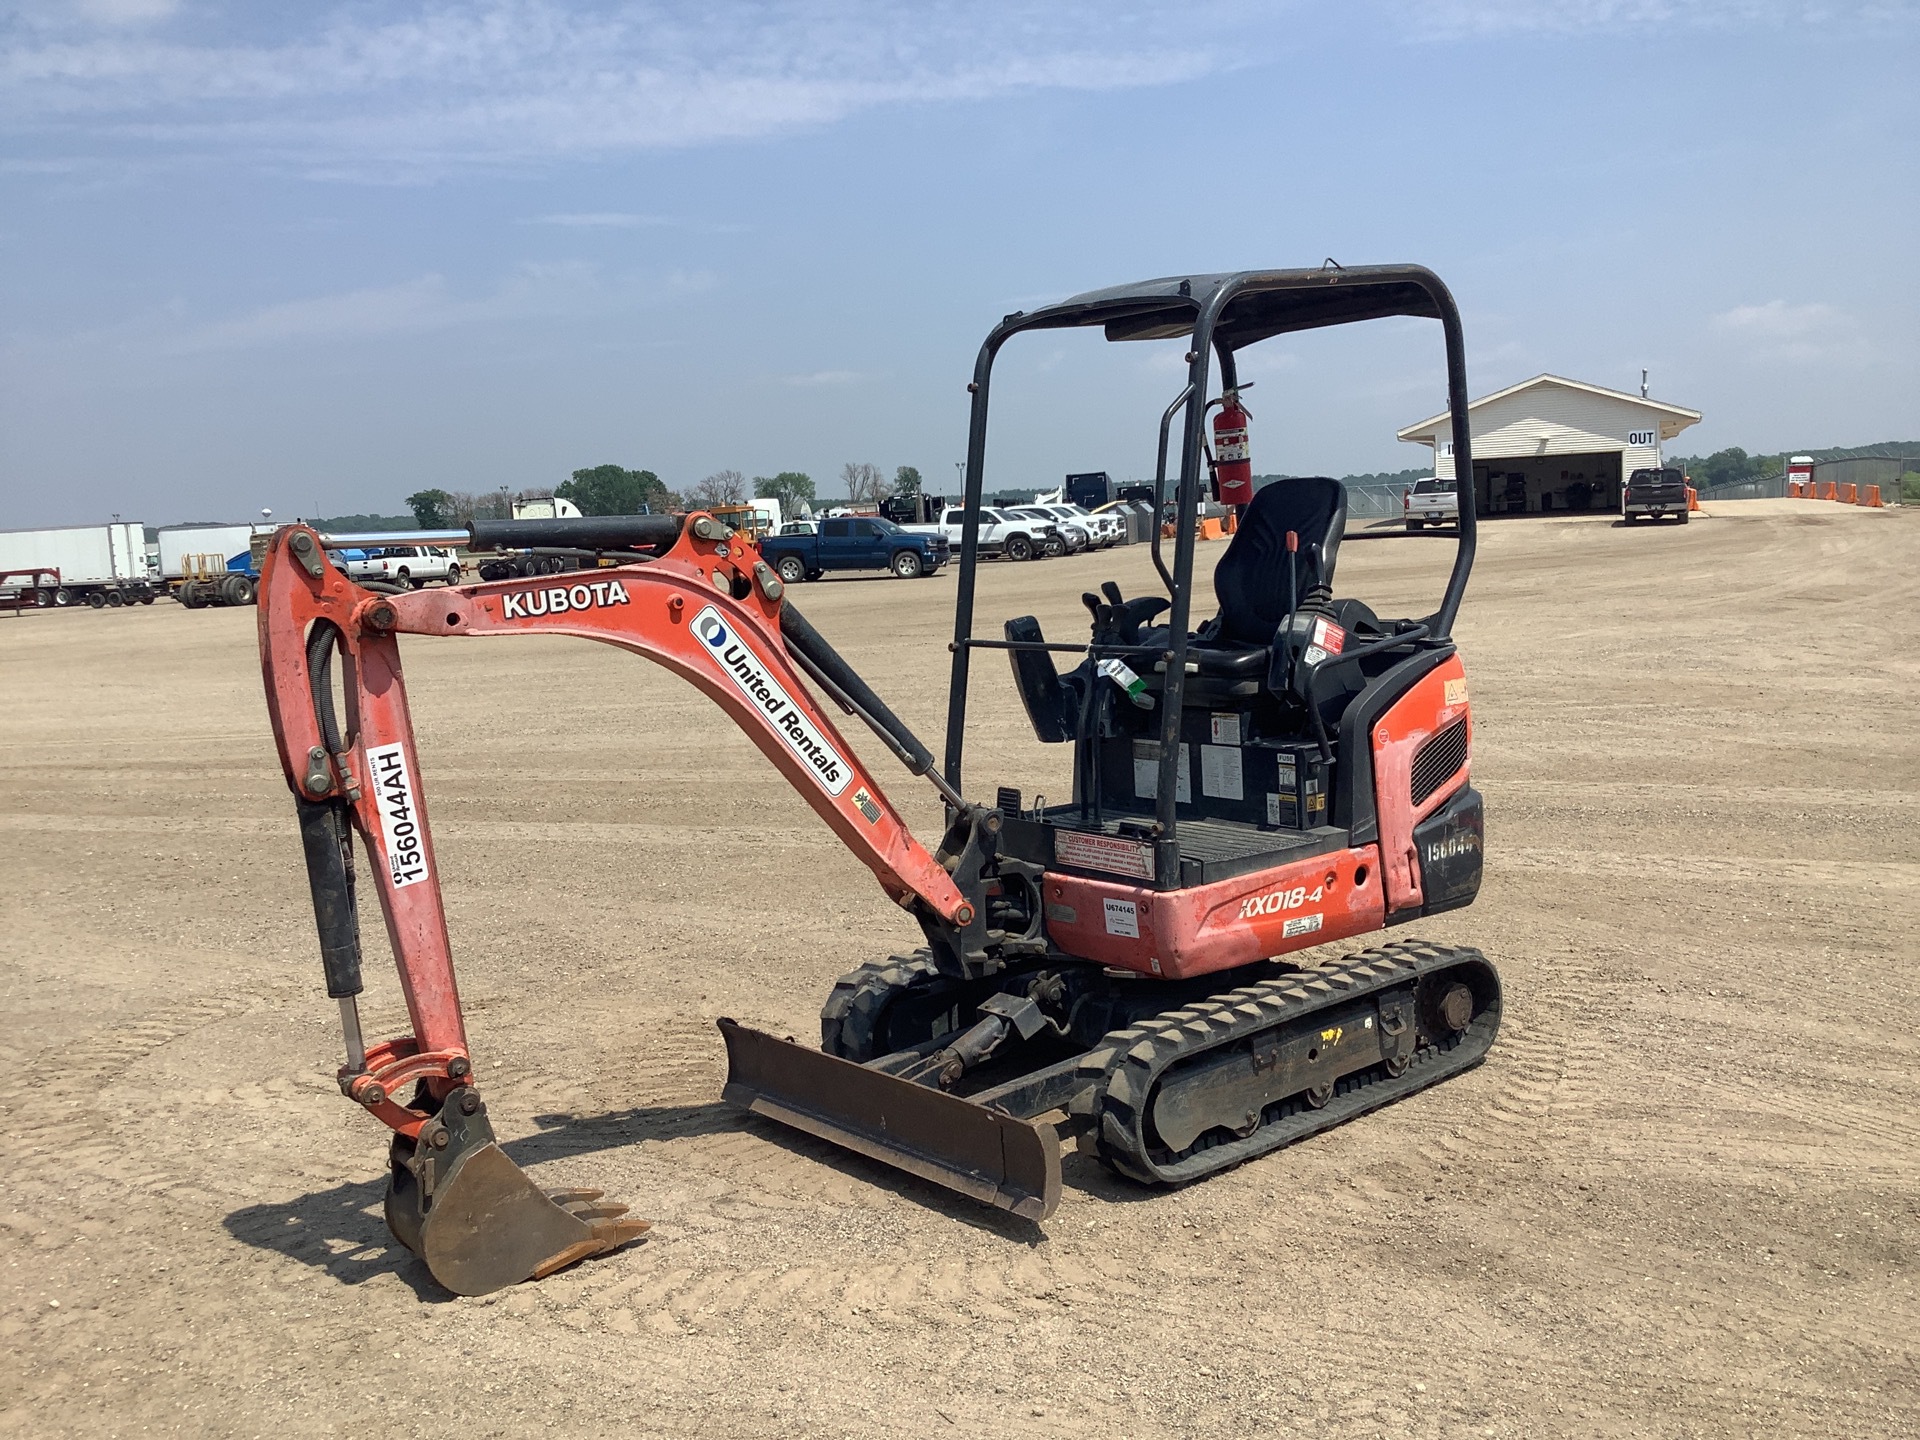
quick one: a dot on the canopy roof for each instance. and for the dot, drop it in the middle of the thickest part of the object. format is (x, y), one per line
(1266, 303)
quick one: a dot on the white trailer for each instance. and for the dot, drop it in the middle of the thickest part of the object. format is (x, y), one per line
(98, 565)
(211, 564)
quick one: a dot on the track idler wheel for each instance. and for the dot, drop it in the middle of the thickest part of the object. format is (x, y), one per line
(456, 1200)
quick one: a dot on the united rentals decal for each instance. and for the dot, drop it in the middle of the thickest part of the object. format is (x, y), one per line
(558, 599)
(750, 674)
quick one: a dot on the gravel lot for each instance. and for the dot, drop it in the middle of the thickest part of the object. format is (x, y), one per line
(1678, 1199)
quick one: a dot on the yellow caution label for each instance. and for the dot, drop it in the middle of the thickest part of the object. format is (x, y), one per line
(1332, 1036)
(1457, 692)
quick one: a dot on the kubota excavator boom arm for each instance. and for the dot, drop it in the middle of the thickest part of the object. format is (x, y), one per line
(710, 610)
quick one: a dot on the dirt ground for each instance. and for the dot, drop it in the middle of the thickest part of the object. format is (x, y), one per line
(1679, 1198)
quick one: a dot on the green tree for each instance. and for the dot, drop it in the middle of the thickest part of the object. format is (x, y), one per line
(789, 487)
(615, 490)
(433, 509)
(906, 481)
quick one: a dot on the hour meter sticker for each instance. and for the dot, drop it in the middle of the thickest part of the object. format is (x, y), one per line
(399, 819)
(750, 675)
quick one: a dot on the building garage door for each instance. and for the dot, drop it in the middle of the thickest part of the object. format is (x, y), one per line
(1548, 484)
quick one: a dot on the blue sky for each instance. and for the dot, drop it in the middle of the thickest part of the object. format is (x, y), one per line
(317, 257)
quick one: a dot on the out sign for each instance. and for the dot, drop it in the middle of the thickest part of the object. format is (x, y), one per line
(1640, 437)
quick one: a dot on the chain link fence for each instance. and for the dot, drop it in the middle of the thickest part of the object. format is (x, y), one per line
(1375, 502)
(1767, 487)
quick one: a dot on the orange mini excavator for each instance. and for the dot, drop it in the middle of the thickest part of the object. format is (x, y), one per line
(1289, 772)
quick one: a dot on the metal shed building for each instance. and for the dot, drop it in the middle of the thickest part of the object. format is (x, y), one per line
(1550, 444)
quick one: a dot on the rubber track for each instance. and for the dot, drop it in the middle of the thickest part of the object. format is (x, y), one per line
(855, 1007)
(1126, 1065)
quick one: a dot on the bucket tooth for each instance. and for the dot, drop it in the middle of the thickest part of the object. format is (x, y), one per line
(983, 1153)
(476, 1219)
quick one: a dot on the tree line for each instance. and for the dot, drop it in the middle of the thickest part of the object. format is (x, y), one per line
(616, 490)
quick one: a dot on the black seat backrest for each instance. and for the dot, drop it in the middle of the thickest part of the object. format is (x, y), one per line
(1251, 578)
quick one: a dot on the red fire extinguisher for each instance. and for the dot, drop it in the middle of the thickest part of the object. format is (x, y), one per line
(1232, 462)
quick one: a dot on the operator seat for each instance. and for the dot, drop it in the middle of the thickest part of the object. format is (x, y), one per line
(1251, 578)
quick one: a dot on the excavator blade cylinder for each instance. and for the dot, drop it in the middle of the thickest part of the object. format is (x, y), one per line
(983, 1153)
(456, 1200)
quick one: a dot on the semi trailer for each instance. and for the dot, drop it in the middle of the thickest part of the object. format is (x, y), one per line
(97, 565)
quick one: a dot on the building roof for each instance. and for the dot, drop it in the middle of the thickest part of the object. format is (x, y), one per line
(1679, 412)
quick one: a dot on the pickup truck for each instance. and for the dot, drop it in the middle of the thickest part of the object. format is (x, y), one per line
(1430, 502)
(854, 542)
(407, 565)
(1654, 493)
(1001, 533)
(1102, 530)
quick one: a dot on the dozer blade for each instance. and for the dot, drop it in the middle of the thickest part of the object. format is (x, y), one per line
(476, 1219)
(986, 1154)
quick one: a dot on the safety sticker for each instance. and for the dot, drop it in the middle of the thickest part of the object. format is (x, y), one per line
(1103, 852)
(1457, 691)
(863, 802)
(399, 822)
(1300, 925)
(1123, 918)
(750, 676)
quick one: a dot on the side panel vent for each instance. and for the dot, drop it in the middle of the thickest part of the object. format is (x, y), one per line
(1439, 760)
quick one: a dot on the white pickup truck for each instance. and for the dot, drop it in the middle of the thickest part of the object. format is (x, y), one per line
(1102, 530)
(407, 565)
(1430, 502)
(1000, 533)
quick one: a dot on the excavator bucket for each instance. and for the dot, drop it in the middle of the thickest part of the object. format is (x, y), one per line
(983, 1153)
(456, 1200)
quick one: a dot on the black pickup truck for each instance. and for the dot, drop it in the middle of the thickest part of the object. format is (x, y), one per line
(856, 542)
(1654, 494)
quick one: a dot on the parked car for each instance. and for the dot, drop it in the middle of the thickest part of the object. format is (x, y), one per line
(1654, 494)
(1073, 536)
(1430, 501)
(1015, 537)
(406, 565)
(1102, 530)
(854, 542)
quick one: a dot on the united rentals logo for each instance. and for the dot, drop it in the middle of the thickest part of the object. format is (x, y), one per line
(558, 599)
(750, 675)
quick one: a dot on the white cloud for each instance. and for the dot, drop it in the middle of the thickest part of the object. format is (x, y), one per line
(1779, 331)
(604, 220)
(1462, 19)
(426, 303)
(428, 83)
(1778, 320)
(823, 377)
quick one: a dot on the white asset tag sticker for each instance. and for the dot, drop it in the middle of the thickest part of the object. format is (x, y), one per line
(1122, 918)
(750, 674)
(1300, 925)
(399, 822)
